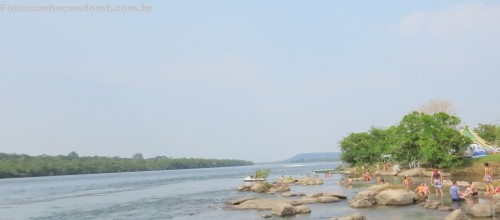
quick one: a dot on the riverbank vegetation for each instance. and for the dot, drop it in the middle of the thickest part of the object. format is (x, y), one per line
(15, 165)
(432, 139)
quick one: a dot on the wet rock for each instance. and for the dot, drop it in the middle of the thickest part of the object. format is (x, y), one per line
(363, 199)
(327, 199)
(445, 209)
(310, 181)
(304, 201)
(290, 194)
(480, 185)
(480, 210)
(266, 216)
(239, 201)
(431, 204)
(314, 195)
(302, 209)
(283, 209)
(357, 216)
(336, 194)
(397, 197)
(412, 172)
(259, 187)
(456, 215)
(259, 204)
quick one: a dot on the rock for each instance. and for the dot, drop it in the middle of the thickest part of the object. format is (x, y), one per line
(480, 185)
(431, 204)
(304, 201)
(397, 197)
(314, 195)
(480, 210)
(259, 204)
(328, 199)
(302, 209)
(283, 209)
(239, 201)
(266, 216)
(363, 199)
(445, 209)
(244, 188)
(497, 206)
(259, 187)
(456, 215)
(290, 194)
(310, 181)
(463, 183)
(357, 216)
(496, 197)
(338, 195)
(412, 172)
(279, 188)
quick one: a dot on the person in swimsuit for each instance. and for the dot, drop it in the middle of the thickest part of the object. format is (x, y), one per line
(437, 180)
(488, 178)
(471, 190)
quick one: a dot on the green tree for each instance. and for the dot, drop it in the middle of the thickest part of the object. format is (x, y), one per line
(73, 155)
(431, 139)
(490, 133)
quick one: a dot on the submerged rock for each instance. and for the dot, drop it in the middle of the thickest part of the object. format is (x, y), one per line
(357, 216)
(480, 210)
(456, 215)
(283, 209)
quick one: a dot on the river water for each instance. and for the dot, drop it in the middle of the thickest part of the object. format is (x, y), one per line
(174, 194)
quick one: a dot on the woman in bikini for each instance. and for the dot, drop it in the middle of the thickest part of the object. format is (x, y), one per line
(488, 178)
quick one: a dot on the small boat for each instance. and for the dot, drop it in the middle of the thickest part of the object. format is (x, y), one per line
(253, 179)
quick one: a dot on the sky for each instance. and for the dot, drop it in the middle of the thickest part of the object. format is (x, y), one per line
(251, 80)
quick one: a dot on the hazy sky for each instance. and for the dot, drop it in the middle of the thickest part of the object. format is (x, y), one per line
(252, 80)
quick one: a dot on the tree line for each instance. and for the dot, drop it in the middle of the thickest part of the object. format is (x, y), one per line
(22, 165)
(432, 139)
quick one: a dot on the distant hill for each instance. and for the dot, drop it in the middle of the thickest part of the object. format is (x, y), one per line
(314, 157)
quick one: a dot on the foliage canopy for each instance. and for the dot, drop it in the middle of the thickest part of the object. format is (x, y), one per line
(432, 139)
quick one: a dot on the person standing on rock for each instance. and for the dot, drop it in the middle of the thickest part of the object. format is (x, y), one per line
(488, 178)
(437, 180)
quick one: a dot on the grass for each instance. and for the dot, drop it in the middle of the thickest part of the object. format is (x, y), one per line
(475, 162)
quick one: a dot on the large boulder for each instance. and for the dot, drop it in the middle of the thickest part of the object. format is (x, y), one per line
(279, 188)
(357, 216)
(363, 199)
(497, 207)
(259, 187)
(283, 209)
(397, 197)
(386, 173)
(480, 185)
(302, 209)
(480, 210)
(456, 215)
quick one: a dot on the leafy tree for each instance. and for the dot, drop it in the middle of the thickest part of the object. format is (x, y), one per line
(73, 155)
(430, 138)
(490, 133)
(137, 156)
(263, 173)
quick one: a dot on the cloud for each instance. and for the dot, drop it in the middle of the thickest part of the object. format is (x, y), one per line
(465, 20)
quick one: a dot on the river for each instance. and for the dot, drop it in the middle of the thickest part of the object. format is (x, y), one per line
(174, 194)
